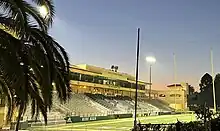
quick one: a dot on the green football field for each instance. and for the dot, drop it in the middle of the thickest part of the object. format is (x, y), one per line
(116, 124)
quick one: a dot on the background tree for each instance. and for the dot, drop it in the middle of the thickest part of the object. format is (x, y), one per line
(192, 97)
(205, 82)
(217, 89)
(31, 60)
(191, 90)
(205, 95)
(206, 91)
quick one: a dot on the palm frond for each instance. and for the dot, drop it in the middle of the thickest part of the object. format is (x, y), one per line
(9, 25)
(22, 12)
(33, 12)
(50, 7)
(31, 60)
(14, 9)
(58, 61)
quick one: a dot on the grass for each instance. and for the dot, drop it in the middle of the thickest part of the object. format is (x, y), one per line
(116, 124)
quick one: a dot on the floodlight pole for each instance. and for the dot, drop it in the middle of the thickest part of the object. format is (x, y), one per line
(150, 82)
(136, 84)
(174, 63)
(213, 81)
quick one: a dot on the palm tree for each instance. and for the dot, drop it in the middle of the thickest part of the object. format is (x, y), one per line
(31, 61)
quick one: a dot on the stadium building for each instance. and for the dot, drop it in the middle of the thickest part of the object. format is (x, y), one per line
(100, 92)
(96, 80)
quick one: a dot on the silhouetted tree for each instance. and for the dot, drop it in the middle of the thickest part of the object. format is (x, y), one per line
(192, 97)
(205, 95)
(217, 89)
(191, 90)
(205, 82)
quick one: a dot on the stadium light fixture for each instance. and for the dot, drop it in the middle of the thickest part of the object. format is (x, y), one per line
(213, 81)
(43, 11)
(151, 60)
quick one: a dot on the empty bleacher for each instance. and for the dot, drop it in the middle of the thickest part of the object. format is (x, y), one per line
(79, 104)
(54, 116)
(160, 104)
(146, 107)
(122, 103)
(97, 104)
(105, 101)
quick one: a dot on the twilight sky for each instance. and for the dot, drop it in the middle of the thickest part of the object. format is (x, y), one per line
(103, 32)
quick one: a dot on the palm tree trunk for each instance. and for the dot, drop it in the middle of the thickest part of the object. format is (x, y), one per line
(19, 116)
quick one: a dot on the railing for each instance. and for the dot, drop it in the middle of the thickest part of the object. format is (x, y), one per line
(140, 113)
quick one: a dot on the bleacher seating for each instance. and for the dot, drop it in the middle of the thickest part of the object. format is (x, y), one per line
(97, 104)
(122, 103)
(79, 104)
(105, 101)
(53, 116)
(160, 104)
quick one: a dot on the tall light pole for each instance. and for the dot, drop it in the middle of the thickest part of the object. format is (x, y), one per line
(213, 80)
(136, 79)
(151, 60)
(174, 65)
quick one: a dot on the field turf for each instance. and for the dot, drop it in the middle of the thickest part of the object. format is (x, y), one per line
(116, 124)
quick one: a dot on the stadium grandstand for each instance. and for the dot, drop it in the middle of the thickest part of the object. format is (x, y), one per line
(103, 92)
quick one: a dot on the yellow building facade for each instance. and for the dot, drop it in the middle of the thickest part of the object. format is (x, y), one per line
(175, 95)
(117, 83)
